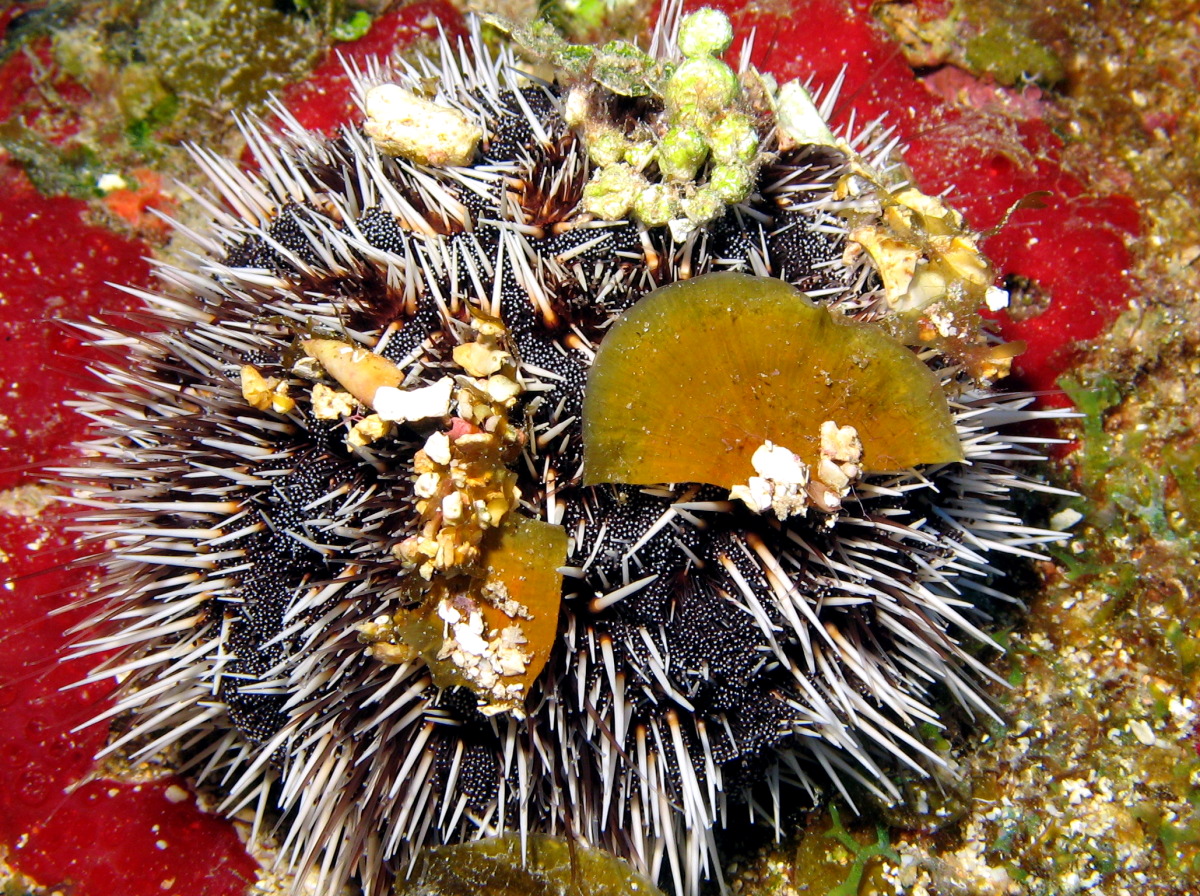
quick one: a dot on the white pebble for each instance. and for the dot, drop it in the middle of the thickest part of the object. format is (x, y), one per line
(406, 405)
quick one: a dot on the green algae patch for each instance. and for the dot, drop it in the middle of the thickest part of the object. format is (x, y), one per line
(548, 866)
(698, 375)
(1013, 57)
(227, 54)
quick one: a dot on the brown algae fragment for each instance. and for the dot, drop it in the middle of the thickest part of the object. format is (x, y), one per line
(490, 630)
(512, 865)
(697, 376)
(480, 585)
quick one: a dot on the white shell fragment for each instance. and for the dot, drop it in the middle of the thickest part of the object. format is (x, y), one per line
(996, 298)
(408, 405)
(798, 118)
(779, 485)
(1065, 519)
(787, 486)
(406, 125)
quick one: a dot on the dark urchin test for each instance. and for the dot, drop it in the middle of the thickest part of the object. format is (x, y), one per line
(601, 458)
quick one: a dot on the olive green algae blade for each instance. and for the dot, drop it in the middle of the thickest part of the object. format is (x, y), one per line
(512, 865)
(697, 375)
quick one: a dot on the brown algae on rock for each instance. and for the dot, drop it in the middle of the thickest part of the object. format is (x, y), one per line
(699, 375)
(511, 865)
(490, 630)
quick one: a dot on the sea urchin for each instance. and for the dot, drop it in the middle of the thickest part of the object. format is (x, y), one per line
(589, 457)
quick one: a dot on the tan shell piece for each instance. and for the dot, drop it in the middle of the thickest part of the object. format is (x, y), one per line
(358, 370)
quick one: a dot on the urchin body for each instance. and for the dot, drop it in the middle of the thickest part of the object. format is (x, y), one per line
(703, 649)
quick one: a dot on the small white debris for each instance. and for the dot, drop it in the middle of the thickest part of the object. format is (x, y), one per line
(452, 507)
(437, 448)
(426, 485)
(575, 108)
(108, 183)
(332, 404)
(841, 456)
(942, 320)
(406, 125)
(175, 794)
(502, 389)
(840, 443)
(1143, 732)
(407, 405)
(779, 485)
(996, 298)
(779, 464)
(469, 635)
(1065, 519)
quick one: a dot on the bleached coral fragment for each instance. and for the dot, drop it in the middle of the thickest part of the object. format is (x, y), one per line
(779, 485)
(408, 405)
(406, 125)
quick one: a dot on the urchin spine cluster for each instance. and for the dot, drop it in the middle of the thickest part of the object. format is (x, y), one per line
(706, 656)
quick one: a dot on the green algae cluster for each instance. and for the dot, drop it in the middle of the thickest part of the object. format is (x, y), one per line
(672, 143)
(699, 374)
(154, 73)
(1011, 55)
(827, 857)
(989, 42)
(229, 54)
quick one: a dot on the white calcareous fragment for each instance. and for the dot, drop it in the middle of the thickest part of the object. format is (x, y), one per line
(426, 485)
(996, 298)
(840, 443)
(798, 118)
(503, 389)
(1065, 519)
(779, 485)
(406, 125)
(331, 404)
(839, 467)
(469, 636)
(452, 507)
(1143, 732)
(408, 405)
(437, 448)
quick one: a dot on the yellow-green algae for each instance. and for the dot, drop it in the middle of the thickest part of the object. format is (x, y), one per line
(699, 374)
(500, 866)
(156, 73)
(827, 857)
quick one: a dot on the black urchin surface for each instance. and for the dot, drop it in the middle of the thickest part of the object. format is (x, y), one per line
(706, 656)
